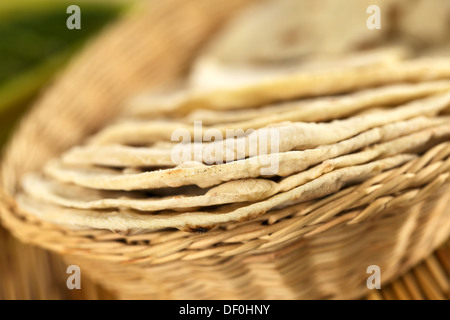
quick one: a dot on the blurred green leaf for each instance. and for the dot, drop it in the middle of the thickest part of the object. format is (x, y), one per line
(35, 43)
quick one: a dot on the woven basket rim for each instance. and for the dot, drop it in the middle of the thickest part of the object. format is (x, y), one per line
(413, 182)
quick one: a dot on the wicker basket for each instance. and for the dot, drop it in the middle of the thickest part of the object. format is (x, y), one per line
(319, 249)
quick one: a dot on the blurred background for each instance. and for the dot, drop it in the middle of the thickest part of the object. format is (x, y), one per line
(35, 46)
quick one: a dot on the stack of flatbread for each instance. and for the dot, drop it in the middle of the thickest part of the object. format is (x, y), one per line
(233, 143)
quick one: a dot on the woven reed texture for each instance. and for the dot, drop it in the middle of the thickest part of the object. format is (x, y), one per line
(330, 242)
(31, 273)
(318, 249)
(428, 280)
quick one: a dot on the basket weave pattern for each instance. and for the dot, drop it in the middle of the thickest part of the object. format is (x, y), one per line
(317, 249)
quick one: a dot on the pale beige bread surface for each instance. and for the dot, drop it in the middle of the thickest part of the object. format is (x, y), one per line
(301, 31)
(319, 109)
(306, 84)
(230, 192)
(116, 155)
(426, 22)
(206, 176)
(126, 156)
(82, 198)
(128, 221)
(210, 72)
(291, 135)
